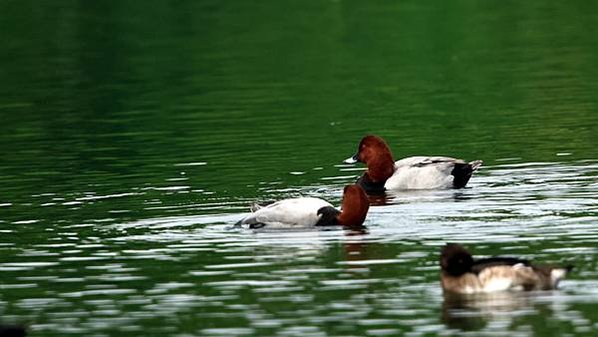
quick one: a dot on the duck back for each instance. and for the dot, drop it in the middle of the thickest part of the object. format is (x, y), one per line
(288, 213)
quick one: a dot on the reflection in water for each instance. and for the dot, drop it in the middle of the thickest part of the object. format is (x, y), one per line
(512, 313)
(375, 281)
(379, 199)
(355, 246)
(474, 311)
(402, 196)
(130, 143)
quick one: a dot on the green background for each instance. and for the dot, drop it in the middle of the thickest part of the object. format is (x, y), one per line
(134, 133)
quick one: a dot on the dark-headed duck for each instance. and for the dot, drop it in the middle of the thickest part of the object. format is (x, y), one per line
(418, 172)
(460, 273)
(312, 212)
(12, 331)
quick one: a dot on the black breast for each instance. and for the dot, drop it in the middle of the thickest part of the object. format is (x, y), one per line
(329, 215)
(12, 331)
(369, 186)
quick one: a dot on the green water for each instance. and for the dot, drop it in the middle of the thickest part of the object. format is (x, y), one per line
(133, 134)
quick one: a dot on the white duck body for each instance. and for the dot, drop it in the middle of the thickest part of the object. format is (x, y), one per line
(516, 277)
(422, 172)
(288, 213)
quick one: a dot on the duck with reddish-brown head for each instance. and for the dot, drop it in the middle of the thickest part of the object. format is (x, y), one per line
(309, 212)
(410, 173)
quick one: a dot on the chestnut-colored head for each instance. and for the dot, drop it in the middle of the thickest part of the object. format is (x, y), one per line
(354, 207)
(455, 260)
(372, 148)
(374, 152)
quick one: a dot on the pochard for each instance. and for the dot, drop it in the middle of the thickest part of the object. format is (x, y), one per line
(418, 172)
(12, 331)
(308, 212)
(461, 274)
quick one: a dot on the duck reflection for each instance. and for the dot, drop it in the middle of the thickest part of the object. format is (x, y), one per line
(474, 311)
(380, 199)
(360, 251)
(355, 245)
(402, 197)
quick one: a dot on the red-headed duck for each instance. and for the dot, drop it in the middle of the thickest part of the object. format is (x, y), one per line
(312, 212)
(418, 172)
(461, 274)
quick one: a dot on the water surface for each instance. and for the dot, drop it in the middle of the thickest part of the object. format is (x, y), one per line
(134, 135)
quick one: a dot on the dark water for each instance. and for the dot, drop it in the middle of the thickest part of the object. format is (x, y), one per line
(133, 134)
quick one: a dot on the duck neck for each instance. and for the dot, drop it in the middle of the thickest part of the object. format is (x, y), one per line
(353, 212)
(380, 168)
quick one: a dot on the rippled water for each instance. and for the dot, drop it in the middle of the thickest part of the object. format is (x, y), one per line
(195, 275)
(132, 143)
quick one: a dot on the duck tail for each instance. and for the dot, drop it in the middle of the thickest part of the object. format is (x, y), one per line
(255, 206)
(463, 171)
(557, 274)
(475, 164)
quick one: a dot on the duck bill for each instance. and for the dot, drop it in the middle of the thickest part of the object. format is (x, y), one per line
(352, 160)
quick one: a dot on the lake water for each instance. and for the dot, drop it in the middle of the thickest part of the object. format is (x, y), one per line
(134, 134)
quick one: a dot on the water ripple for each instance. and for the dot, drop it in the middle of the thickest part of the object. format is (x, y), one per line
(379, 282)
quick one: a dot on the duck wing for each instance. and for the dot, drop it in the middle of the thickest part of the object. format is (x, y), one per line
(481, 264)
(421, 161)
(420, 172)
(503, 273)
(505, 277)
(499, 273)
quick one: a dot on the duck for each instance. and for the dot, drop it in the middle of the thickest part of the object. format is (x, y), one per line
(461, 274)
(411, 173)
(12, 331)
(308, 212)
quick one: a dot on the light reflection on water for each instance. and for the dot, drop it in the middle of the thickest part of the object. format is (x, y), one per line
(132, 143)
(383, 281)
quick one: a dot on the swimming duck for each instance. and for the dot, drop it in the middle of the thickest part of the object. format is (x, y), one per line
(12, 331)
(417, 172)
(460, 273)
(311, 212)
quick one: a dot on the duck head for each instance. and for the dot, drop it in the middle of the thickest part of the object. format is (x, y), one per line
(354, 207)
(455, 260)
(375, 153)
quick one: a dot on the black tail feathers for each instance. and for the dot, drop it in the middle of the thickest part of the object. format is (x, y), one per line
(463, 172)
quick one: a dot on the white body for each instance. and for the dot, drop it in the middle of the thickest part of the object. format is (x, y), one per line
(422, 173)
(288, 213)
(501, 278)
